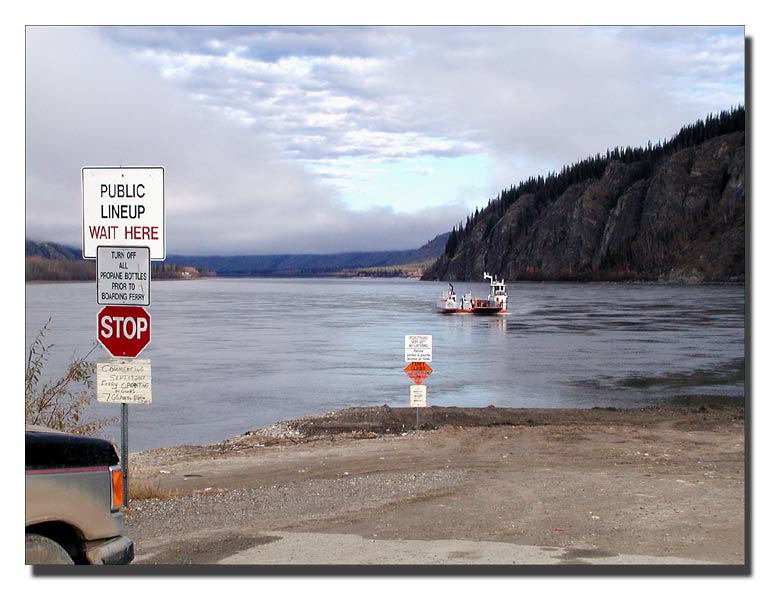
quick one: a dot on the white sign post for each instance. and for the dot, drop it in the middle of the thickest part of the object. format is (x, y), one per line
(418, 396)
(124, 381)
(122, 275)
(124, 207)
(418, 348)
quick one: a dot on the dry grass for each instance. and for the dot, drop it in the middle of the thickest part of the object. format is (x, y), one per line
(146, 490)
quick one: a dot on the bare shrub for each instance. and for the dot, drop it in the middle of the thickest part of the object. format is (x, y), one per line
(59, 403)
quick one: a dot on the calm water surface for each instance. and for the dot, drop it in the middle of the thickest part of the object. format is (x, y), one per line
(231, 355)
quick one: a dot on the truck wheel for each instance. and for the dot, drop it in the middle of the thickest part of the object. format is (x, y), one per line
(41, 550)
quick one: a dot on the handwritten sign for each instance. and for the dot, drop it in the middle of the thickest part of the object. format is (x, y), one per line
(127, 381)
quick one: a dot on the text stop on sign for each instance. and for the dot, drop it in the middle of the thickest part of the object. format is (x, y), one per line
(128, 328)
(123, 331)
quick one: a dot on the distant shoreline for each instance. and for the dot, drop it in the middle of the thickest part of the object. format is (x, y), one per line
(375, 421)
(408, 278)
(58, 281)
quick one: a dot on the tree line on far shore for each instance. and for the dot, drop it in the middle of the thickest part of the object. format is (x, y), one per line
(547, 189)
(37, 268)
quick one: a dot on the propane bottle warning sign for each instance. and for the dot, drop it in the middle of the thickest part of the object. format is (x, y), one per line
(122, 275)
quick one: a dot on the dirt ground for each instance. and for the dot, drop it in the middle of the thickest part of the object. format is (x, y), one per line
(358, 486)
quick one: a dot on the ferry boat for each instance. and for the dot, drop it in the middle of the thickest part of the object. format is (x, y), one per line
(450, 304)
(496, 301)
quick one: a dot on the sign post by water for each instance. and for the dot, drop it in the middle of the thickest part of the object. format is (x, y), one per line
(124, 228)
(418, 398)
(124, 381)
(418, 352)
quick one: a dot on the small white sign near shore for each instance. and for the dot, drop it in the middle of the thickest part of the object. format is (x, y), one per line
(418, 396)
(126, 381)
(418, 348)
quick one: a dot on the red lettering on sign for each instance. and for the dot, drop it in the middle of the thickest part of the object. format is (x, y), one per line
(141, 232)
(102, 232)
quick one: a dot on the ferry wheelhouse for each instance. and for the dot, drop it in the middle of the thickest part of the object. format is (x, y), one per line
(450, 304)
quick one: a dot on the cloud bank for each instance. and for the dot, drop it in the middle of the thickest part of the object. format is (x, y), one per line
(229, 189)
(269, 135)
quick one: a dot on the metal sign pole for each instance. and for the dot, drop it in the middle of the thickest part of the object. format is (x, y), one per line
(124, 450)
(418, 418)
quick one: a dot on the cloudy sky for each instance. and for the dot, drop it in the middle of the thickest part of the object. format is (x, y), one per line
(331, 139)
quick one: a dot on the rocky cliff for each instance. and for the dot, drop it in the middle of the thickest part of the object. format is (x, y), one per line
(677, 218)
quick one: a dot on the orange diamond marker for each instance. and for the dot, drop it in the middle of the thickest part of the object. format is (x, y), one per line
(418, 372)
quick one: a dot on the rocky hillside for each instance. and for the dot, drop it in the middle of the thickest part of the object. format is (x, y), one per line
(50, 251)
(674, 212)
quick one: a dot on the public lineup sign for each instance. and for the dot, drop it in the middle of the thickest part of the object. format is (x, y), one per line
(124, 207)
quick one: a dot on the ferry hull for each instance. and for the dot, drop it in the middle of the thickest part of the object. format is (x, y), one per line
(488, 310)
(452, 310)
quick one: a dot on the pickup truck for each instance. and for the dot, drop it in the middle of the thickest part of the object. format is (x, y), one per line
(73, 497)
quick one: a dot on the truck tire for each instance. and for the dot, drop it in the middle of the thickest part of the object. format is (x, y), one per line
(41, 550)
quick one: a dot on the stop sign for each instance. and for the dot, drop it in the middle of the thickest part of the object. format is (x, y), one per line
(123, 331)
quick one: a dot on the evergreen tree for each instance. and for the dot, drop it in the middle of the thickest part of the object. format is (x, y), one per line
(548, 189)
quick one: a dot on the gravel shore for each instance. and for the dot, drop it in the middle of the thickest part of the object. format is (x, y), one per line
(609, 485)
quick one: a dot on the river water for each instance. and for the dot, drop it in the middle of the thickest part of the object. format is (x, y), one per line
(231, 355)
